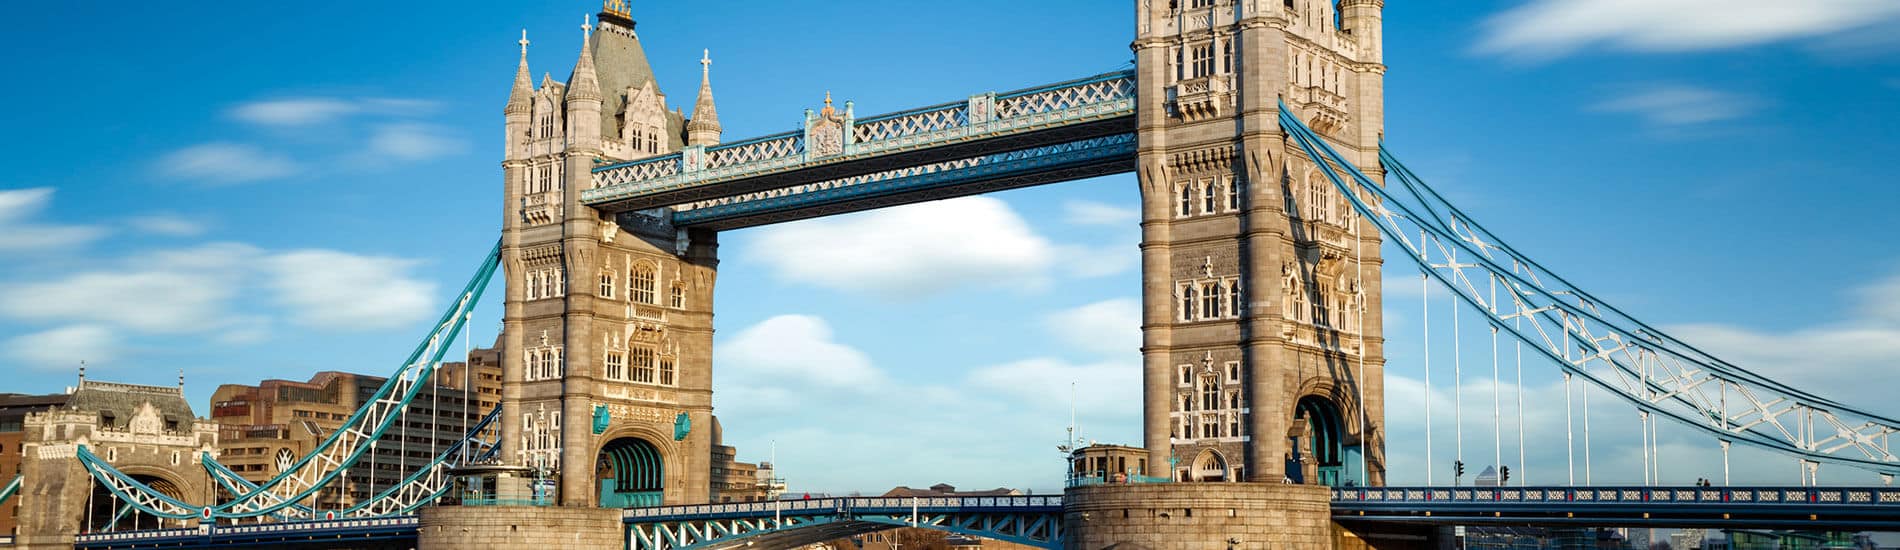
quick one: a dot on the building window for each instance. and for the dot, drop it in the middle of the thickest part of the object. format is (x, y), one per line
(679, 296)
(1203, 60)
(607, 284)
(1227, 56)
(547, 285)
(1233, 195)
(1210, 301)
(1208, 192)
(1187, 200)
(616, 365)
(643, 365)
(644, 286)
(534, 283)
(1187, 302)
(1187, 374)
(1236, 308)
(666, 371)
(1233, 372)
(547, 125)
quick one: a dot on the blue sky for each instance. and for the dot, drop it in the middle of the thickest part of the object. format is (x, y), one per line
(259, 191)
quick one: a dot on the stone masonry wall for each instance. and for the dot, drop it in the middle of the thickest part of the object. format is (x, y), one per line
(519, 528)
(1198, 516)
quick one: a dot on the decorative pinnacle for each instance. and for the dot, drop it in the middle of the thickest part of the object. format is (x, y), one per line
(587, 26)
(705, 61)
(523, 42)
(827, 99)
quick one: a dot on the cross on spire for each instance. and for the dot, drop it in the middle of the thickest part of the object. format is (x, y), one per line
(587, 26)
(523, 42)
(705, 60)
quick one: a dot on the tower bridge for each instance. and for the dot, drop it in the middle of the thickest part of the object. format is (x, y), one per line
(1254, 129)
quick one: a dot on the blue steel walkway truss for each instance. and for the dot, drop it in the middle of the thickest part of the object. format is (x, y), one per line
(1028, 520)
(1807, 508)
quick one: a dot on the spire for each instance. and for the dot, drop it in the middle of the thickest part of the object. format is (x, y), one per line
(704, 128)
(585, 84)
(524, 84)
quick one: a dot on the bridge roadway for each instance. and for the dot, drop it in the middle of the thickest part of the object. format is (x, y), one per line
(837, 163)
(1801, 508)
(1037, 520)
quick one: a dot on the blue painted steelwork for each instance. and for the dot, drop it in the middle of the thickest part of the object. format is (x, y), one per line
(1875, 508)
(337, 533)
(984, 124)
(1029, 520)
(1638, 363)
(305, 478)
(639, 474)
(423, 486)
(995, 172)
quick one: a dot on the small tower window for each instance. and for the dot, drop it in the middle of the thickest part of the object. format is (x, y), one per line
(1233, 295)
(643, 365)
(1210, 301)
(1233, 195)
(607, 284)
(616, 365)
(666, 371)
(1187, 200)
(679, 296)
(644, 286)
(1208, 201)
(1187, 303)
(1203, 60)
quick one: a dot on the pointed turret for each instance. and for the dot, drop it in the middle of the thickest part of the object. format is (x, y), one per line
(519, 99)
(583, 98)
(585, 84)
(703, 129)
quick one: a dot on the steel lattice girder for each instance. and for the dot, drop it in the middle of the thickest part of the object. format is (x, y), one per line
(1034, 521)
(344, 446)
(1071, 111)
(1875, 508)
(1634, 361)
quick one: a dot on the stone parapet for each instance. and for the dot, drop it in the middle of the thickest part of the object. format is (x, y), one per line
(519, 528)
(1198, 516)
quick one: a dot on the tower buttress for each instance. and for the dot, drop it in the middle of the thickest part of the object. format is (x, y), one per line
(704, 129)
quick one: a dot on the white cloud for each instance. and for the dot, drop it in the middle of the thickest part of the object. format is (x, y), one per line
(153, 301)
(1542, 29)
(1109, 327)
(223, 162)
(1111, 389)
(293, 111)
(1097, 261)
(1675, 105)
(409, 141)
(910, 251)
(793, 351)
(337, 290)
(168, 225)
(16, 205)
(63, 348)
(1082, 212)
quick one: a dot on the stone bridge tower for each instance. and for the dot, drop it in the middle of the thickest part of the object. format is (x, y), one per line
(147, 432)
(607, 350)
(1262, 344)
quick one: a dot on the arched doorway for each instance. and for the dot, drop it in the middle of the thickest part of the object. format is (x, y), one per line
(1209, 466)
(631, 473)
(1326, 439)
(107, 513)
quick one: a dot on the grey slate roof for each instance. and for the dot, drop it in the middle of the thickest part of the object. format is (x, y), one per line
(123, 400)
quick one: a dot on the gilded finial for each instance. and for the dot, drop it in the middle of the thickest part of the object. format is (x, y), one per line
(827, 111)
(616, 7)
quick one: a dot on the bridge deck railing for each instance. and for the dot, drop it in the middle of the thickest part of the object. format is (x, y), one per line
(252, 531)
(842, 505)
(1729, 496)
(981, 116)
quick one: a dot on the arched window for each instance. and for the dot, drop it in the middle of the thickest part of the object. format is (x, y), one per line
(532, 363)
(606, 284)
(679, 296)
(1187, 200)
(1237, 305)
(1233, 195)
(666, 371)
(643, 365)
(1211, 300)
(1207, 197)
(1187, 302)
(644, 285)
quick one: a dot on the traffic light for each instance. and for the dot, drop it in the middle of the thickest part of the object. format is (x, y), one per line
(1504, 475)
(1458, 468)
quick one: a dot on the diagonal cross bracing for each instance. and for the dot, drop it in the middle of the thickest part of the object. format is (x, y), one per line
(1029, 520)
(1586, 336)
(984, 125)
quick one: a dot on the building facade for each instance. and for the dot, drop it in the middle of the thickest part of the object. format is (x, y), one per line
(266, 427)
(607, 347)
(1262, 350)
(13, 411)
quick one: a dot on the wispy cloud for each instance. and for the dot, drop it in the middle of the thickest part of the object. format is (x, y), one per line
(1081, 212)
(339, 290)
(63, 348)
(17, 206)
(411, 141)
(1545, 29)
(1679, 105)
(169, 225)
(306, 111)
(1108, 327)
(225, 163)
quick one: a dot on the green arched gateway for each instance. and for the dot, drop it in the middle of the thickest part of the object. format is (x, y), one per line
(1326, 446)
(631, 473)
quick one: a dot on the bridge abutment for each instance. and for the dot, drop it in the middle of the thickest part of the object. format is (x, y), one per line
(519, 527)
(1182, 516)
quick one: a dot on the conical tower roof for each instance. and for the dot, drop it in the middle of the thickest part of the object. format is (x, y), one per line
(518, 98)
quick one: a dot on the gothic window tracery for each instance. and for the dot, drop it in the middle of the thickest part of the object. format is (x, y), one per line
(678, 296)
(1187, 302)
(1208, 202)
(645, 283)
